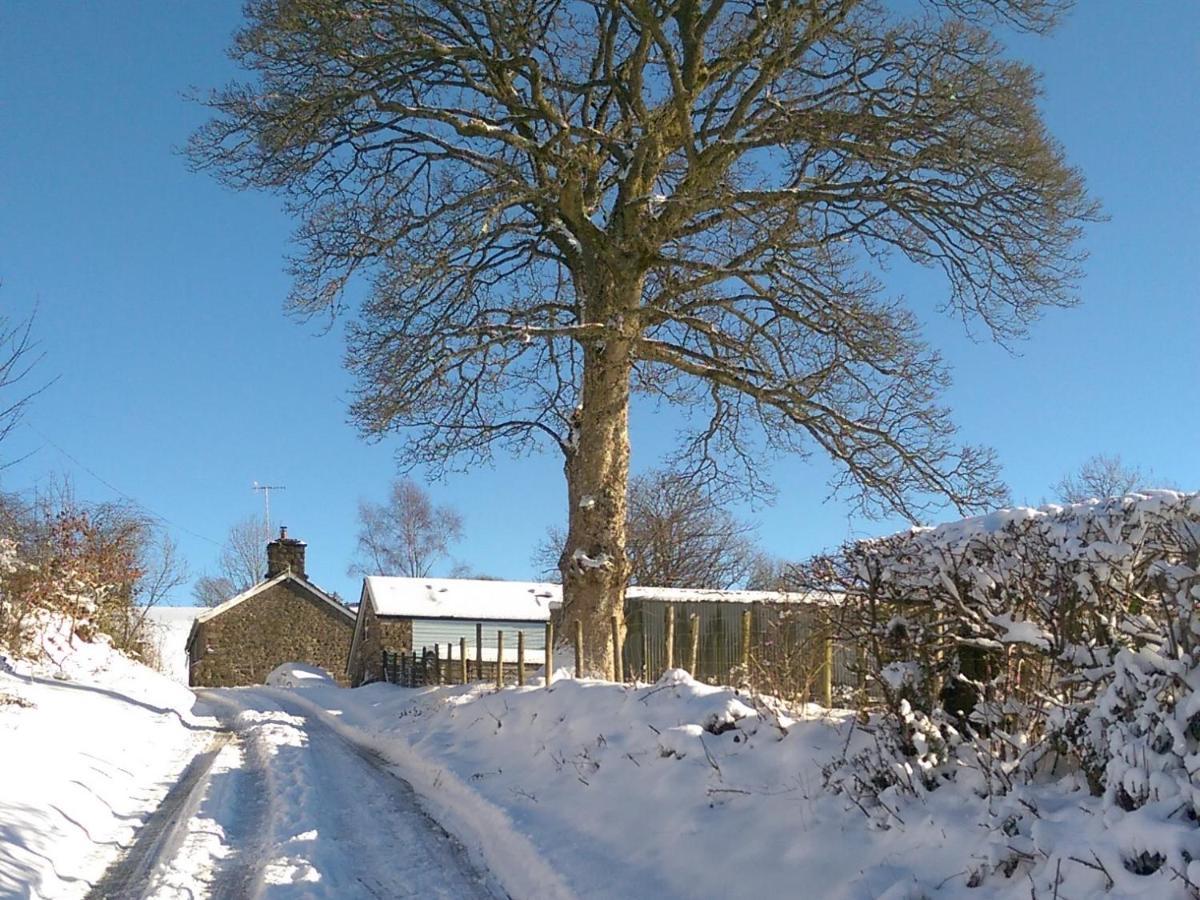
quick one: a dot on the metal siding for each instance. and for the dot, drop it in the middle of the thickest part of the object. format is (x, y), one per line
(427, 632)
(781, 636)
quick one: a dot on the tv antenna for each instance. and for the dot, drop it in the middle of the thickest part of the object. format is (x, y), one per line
(266, 492)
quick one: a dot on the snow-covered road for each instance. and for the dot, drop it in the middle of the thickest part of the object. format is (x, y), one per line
(290, 808)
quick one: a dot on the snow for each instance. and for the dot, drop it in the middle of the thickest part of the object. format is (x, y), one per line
(584, 561)
(461, 598)
(90, 742)
(291, 675)
(691, 595)
(588, 789)
(682, 790)
(171, 626)
(291, 809)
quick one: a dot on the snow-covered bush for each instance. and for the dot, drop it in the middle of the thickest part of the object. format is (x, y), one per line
(1033, 643)
(98, 568)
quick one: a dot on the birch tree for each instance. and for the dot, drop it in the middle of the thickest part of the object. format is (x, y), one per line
(406, 535)
(554, 204)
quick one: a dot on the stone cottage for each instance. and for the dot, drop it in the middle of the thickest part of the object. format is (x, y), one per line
(404, 614)
(284, 618)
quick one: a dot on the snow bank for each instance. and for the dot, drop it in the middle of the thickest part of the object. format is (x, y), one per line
(679, 789)
(90, 742)
(170, 626)
(294, 675)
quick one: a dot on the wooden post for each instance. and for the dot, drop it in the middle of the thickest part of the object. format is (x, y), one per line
(645, 653)
(860, 664)
(693, 645)
(618, 667)
(670, 637)
(827, 672)
(520, 659)
(578, 648)
(549, 653)
(437, 664)
(479, 651)
(499, 660)
(462, 652)
(747, 619)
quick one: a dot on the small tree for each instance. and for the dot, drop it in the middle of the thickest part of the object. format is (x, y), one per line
(213, 590)
(678, 534)
(1101, 477)
(100, 566)
(561, 203)
(406, 535)
(242, 563)
(770, 573)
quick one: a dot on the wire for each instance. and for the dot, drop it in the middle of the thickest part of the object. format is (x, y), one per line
(116, 490)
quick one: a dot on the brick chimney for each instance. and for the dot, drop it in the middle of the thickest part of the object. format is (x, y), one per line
(284, 554)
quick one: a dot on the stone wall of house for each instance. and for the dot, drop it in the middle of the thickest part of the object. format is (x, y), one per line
(284, 623)
(377, 635)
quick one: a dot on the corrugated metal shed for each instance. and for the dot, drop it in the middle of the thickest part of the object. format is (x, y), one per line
(787, 638)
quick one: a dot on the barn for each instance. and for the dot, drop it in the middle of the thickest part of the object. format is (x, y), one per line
(404, 614)
(283, 618)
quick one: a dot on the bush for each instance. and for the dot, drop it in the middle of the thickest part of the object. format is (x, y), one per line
(1031, 646)
(99, 568)
(1048, 638)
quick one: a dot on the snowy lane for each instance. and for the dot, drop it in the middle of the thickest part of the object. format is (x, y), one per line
(299, 811)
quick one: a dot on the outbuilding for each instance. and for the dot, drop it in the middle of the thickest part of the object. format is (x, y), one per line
(284, 618)
(791, 653)
(400, 615)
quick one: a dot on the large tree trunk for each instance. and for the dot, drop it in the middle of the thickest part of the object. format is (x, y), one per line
(593, 562)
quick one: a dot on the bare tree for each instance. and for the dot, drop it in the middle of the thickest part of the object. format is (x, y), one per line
(1102, 476)
(242, 564)
(560, 203)
(213, 590)
(406, 535)
(770, 573)
(679, 534)
(17, 358)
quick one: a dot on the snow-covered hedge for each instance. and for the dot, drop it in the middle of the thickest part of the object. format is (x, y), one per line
(1037, 643)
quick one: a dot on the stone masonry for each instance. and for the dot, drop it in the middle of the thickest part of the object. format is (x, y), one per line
(285, 554)
(378, 634)
(286, 622)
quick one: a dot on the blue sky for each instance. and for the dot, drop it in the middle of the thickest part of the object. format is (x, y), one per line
(180, 381)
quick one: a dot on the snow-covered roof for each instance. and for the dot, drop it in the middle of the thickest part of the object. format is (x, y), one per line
(695, 595)
(259, 588)
(461, 598)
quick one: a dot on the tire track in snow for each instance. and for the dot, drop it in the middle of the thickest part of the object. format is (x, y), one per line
(335, 821)
(159, 837)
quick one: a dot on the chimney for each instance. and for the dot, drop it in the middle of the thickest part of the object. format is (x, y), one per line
(284, 554)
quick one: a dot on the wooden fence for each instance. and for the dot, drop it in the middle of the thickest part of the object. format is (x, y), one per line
(775, 653)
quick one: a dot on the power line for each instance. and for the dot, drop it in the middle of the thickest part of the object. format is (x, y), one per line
(116, 490)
